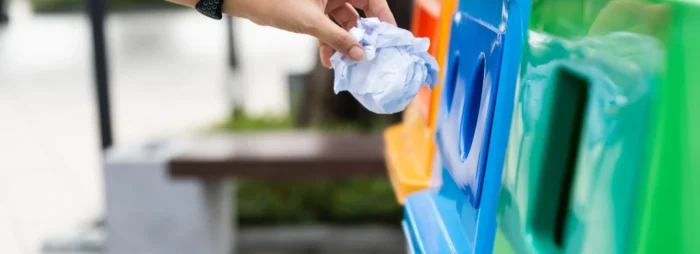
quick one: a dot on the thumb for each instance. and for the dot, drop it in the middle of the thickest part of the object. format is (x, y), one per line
(339, 39)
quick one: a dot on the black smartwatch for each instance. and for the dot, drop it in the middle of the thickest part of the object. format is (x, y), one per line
(210, 8)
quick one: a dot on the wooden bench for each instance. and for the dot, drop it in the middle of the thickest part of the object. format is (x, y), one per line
(285, 155)
(183, 189)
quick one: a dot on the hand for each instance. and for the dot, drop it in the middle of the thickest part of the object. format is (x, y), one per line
(310, 17)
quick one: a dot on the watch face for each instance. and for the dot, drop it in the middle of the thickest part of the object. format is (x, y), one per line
(210, 8)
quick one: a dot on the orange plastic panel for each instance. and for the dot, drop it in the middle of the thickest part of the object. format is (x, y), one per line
(424, 23)
(409, 145)
(423, 105)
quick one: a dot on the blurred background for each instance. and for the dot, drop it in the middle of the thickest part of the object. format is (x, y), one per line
(170, 71)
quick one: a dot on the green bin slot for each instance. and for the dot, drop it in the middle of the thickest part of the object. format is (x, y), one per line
(564, 105)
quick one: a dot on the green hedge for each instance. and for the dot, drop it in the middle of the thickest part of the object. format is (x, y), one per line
(352, 201)
(349, 201)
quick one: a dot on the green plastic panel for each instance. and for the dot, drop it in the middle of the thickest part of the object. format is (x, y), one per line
(577, 137)
(669, 212)
(627, 180)
(502, 246)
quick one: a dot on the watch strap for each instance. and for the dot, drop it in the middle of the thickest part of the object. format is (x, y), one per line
(210, 8)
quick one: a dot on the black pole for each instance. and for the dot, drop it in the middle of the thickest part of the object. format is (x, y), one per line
(96, 10)
(231, 44)
(3, 11)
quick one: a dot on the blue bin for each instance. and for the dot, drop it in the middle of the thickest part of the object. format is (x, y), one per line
(458, 215)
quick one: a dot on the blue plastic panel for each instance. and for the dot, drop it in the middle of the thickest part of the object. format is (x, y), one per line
(458, 214)
(487, 11)
(433, 224)
(478, 51)
(469, 101)
(409, 234)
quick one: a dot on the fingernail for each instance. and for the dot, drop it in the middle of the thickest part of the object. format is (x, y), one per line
(356, 53)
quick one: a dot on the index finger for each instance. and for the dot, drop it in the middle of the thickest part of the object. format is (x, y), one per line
(375, 8)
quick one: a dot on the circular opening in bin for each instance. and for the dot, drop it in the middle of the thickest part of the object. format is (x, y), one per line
(470, 113)
(451, 82)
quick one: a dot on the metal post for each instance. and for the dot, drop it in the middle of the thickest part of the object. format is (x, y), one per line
(3, 11)
(234, 88)
(96, 10)
(231, 45)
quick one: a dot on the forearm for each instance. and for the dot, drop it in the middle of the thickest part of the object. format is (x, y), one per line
(188, 3)
(308, 17)
(237, 8)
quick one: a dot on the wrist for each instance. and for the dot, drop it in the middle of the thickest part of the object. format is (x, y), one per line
(236, 8)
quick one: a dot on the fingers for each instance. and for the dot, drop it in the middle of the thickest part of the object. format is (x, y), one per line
(345, 15)
(325, 53)
(339, 39)
(375, 8)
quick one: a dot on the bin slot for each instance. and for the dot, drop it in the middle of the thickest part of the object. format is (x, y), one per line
(562, 136)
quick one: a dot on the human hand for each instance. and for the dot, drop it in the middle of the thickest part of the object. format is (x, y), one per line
(311, 17)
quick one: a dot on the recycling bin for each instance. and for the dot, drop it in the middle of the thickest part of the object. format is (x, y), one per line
(565, 127)
(458, 213)
(409, 145)
(445, 25)
(602, 155)
(424, 23)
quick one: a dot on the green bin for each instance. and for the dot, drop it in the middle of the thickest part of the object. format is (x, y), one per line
(604, 150)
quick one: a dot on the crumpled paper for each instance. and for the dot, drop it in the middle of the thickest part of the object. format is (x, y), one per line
(395, 67)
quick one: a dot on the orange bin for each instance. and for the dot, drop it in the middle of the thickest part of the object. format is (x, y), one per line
(409, 146)
(447, 10)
